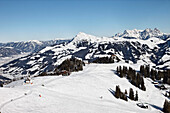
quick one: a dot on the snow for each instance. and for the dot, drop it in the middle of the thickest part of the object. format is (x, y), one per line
(31, 62)
(165, 58)
(78, 93)
(7, 94)
(4, 60)
(46, 49)
(101, 56)
(35, 41)
(36, 67)
(62, 59)
(9, 47)
(88, 38)
(41, 59)
(140, 34)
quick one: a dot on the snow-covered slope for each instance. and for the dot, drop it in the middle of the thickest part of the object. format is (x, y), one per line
(80, 92)
(153, 51)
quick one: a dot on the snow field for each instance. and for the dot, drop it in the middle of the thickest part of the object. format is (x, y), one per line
(80, 93)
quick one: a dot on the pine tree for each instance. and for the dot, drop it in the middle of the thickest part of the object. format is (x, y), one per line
(131, 94)
(136, 96)
(125, 92)
(153, 74)
(124, 71)
(123, 96)
(142, 70)
(117, 70)
(117, 93)
(138, 81)
(165, 79)
(1, 85)
(158, 76)
(130, 74)
(142, 84)
(121, 72)
(147, 71)
(166, 107)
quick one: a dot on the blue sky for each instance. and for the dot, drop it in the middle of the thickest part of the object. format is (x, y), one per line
(22, 20)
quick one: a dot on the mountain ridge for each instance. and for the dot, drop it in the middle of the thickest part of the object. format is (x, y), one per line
(143, 34)
(29, 46)
(153, 51)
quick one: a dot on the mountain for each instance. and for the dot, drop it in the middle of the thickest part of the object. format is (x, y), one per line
(143, 34)
(153, 51)
(27, 46)
(8, 51)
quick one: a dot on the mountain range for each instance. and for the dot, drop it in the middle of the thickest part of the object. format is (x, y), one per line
(14, 48)
(144, 47)
(143, 34)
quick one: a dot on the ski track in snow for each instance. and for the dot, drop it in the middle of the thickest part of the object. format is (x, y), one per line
(14, 99)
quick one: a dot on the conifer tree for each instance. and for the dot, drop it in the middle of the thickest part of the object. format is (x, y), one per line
(166, 107)
(165, 78)
(159, 75)
(117, 93)
(117, 70)
(147, 71)
(124, 71)
(123, 96)
(142, 85)
(138, 80)
(125, 92)
(131, 94)
(142, 70)
(136, 96)
(121, 72)
(153, 74)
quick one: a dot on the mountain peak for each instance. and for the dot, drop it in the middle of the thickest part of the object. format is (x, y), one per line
(148, 30)
(81, 33)
(157, 30)
(81, 37)
(140, 34)
(84, 36)
(35, 41)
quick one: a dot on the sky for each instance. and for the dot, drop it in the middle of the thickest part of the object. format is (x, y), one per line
(23, 20)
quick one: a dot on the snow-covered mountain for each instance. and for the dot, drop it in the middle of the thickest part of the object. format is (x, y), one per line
(153, 51)
(27, 46)
(8, 51)
(143, 34)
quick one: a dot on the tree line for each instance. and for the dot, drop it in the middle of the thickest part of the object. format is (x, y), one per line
(124, 95)
(69, 65)
(134, 77)
(111, 59)
(155, 75)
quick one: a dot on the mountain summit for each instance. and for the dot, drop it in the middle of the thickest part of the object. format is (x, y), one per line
(84, 36)
(143, 34)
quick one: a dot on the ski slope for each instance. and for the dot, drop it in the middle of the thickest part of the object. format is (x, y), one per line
(80, 92)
